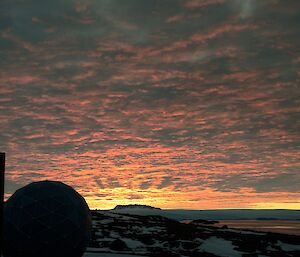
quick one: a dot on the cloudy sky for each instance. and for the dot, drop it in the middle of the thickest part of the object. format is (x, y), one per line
(172, 103)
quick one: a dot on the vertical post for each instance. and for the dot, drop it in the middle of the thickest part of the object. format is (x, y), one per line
(2, 177)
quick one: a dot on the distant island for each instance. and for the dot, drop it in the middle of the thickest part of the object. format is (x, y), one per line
(135, 206)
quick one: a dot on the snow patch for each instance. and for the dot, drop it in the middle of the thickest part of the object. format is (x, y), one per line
(245, 232)
(106, 221)
(109, 255)
(133, 244)
(288, 247)
(220, 247)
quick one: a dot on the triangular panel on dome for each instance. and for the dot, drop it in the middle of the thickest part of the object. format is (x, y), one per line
(46, 219)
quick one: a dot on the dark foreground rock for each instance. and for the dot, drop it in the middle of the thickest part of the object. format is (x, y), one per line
(158, 236)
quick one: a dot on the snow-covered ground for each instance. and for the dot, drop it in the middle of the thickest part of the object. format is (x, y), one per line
(220, 247)
(109, 255)
(130, 235)
(289, 247)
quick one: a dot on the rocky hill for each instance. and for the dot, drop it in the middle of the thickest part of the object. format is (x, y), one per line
(135, 206)
(158, 236)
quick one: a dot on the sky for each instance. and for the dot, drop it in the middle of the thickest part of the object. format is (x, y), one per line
(172, 103)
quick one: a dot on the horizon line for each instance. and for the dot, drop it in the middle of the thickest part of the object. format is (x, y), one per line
(220, 209)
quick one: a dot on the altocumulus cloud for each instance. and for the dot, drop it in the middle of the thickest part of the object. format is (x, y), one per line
(148, 100)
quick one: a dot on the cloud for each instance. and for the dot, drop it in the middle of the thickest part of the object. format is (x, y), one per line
(201, 3)
(167, 181)
(152, 100)
(246, 7)
(145, 185)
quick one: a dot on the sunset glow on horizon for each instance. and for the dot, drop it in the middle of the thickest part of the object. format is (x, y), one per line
(181, 104)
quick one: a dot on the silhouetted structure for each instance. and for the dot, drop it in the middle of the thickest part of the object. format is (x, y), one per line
(2, 177)
(46, 219)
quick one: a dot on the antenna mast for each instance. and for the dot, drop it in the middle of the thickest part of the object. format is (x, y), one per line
(2, 177)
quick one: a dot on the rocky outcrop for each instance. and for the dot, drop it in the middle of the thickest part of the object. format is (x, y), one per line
(160, 236)
(135, 206)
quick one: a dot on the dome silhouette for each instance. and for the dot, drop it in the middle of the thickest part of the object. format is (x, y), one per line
(46, 219)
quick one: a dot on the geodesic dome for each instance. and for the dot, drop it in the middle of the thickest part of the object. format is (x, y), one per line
(46, 219)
